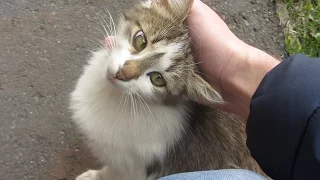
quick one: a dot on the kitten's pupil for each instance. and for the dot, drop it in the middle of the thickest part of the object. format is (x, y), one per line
(139, 41)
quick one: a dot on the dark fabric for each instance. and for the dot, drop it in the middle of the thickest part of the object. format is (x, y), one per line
(283, 127)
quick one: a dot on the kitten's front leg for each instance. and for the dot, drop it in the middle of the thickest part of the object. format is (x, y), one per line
(89, 175)
(104, 174)
(108, 173)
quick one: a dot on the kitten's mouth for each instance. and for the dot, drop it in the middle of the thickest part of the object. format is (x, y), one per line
(114, 81)
(111, 78)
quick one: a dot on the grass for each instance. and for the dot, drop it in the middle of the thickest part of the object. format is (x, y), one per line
(303, 27)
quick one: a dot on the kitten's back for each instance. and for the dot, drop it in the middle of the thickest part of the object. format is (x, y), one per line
(213, 140)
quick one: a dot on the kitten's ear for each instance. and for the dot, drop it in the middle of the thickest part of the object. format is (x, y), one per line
(179, 8)
(200, 91)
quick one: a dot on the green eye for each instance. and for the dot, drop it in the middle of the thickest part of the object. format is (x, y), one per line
(139, 41)
(157, 79)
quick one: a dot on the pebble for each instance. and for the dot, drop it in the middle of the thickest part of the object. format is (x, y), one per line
(243, 15)
(246, 23)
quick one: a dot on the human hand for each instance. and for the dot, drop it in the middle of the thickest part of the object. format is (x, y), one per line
(232, 67)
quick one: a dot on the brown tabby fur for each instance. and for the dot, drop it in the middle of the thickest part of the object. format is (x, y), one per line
(194, 136)
(214, 139)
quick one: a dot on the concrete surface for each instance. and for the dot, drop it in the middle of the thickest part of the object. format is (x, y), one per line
(43, 46)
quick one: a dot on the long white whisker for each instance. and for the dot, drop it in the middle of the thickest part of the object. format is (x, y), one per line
(120, 101)
(152, 115)
(108, 26)
(96, 42)
(142, 104)
(114, 27)
(134, 107)
(103, 24)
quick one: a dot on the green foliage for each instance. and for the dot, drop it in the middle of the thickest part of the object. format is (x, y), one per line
(304, 36)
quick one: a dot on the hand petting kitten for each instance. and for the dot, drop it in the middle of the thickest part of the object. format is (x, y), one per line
(231, 66)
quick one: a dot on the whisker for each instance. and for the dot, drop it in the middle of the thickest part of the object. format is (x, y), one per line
(120, 101)
(134, 108)
(103, 24)
(152, 115)
(106, 24)
(113, 23)
(141, 104)
(112, 28)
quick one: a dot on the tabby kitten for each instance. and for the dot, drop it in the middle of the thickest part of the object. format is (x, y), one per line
(145, 110)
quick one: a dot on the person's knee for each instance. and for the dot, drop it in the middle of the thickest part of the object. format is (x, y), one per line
(228, 174)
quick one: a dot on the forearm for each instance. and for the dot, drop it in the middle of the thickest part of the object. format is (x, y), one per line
(251, 66)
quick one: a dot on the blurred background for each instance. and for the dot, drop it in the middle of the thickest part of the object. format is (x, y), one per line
(43, 47)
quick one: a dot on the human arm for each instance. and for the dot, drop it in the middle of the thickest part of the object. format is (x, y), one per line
(283, 126)
(231, 66)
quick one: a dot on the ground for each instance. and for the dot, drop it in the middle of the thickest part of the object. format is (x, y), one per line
(43, 46)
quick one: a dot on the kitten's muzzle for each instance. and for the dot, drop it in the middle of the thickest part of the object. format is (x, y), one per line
(133, 69)
(129, 71)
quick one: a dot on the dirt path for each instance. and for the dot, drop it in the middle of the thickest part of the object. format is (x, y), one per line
(43, 46)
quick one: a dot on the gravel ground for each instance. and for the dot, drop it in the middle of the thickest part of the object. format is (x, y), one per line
(43, 46)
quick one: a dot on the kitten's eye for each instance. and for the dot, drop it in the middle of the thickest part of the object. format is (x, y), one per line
(139, 41)
(157, 79)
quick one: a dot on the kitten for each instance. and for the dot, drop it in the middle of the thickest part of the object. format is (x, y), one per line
(145, 110)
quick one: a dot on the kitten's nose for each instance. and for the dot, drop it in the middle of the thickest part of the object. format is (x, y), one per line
(120, 75)
(129, 71)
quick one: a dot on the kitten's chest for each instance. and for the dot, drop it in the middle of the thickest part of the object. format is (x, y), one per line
(145, 129)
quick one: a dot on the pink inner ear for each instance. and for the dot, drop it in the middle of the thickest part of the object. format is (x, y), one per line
(109, 42)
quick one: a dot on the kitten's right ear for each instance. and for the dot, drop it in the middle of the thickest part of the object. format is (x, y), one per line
(200, 91)
(179, 8)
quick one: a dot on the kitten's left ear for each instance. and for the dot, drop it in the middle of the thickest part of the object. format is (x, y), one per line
(200, 91)
(179, 8)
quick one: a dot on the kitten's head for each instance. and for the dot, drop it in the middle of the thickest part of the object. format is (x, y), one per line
(152, 56)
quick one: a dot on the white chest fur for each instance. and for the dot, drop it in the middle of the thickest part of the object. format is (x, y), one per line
(121, 127)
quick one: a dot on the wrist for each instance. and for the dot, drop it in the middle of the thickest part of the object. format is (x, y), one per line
(251, 65)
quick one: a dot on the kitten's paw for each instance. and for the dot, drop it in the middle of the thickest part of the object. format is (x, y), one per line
(89, 175)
